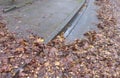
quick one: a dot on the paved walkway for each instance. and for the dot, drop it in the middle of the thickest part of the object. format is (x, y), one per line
(84, 22)
(42, 17)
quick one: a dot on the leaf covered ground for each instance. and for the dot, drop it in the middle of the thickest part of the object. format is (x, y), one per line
(96, 56)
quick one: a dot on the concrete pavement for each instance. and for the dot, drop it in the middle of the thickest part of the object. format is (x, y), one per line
(85, 21)
(43, 17)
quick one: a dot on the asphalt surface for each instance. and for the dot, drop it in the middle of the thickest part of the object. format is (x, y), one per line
(42, 17)
(85, 21)
(51, 16)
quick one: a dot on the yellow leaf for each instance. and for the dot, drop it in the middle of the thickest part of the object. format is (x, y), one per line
(19, 49)
(57, 63)
(39, 40)
(47, 64)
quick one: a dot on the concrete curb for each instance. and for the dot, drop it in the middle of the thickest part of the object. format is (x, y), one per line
(64, 24)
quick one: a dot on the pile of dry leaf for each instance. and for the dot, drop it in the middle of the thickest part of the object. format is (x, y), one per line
(96, 56)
